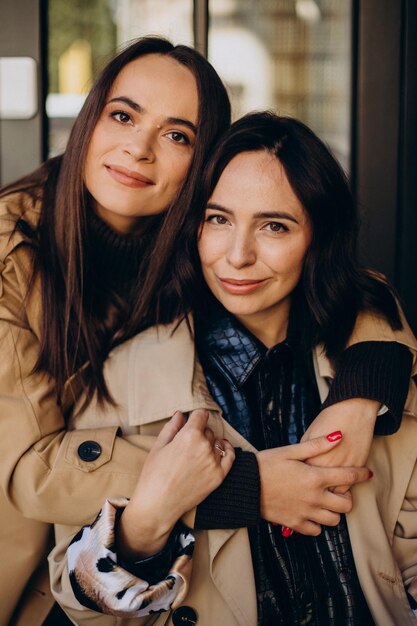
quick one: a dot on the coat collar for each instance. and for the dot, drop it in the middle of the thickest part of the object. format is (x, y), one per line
(153, 396)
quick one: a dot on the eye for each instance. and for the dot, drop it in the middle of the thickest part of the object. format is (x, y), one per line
(275, 227)
(219, 220)
(177, 137)
(121, 116)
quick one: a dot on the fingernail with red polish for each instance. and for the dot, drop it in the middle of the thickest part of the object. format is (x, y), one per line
(334, 436)
(370, 474)
(286, 532)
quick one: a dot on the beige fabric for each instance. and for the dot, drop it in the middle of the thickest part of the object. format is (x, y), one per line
(382, 526)
(41, 473)
(40, 468)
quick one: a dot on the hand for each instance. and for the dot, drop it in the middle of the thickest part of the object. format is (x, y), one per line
(356, 419)
(297, 495)
(182, 469)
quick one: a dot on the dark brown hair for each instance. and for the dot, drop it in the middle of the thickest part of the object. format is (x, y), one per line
(333, 288)
(72, 330)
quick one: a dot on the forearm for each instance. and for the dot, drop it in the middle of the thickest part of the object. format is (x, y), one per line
(235, 503)
(377, 371)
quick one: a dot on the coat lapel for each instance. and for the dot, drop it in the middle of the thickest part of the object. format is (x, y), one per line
(154, 396)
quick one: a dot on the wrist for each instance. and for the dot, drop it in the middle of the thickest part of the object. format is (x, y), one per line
(140, 536)
(361, 409)
(366, 408)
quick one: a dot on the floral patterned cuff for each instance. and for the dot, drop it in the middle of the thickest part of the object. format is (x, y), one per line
(101, 583)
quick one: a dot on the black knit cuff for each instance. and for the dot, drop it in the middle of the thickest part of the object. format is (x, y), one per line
(236, 503)
(376, 370)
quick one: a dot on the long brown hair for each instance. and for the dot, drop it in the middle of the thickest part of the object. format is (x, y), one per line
(72, 328)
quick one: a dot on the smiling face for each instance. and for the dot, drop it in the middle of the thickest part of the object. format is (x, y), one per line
(253, 243)
(143, 143)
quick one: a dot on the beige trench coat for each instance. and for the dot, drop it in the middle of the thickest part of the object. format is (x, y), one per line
(146, 381)
(41, 475)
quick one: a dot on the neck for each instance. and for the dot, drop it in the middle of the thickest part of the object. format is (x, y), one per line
(270, 326)
(125, 225)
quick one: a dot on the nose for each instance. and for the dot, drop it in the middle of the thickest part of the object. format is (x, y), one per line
(141, 144)
(241, 250)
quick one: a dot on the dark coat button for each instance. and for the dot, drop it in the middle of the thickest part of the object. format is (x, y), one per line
(89, 450)
(184, 616)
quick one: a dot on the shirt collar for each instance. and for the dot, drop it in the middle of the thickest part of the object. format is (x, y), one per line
(229, 346)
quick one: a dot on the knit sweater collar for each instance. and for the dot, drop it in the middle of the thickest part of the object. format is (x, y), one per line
(118, 256)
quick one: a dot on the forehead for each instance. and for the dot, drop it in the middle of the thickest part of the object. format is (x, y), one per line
(156, 81)
(256, 181)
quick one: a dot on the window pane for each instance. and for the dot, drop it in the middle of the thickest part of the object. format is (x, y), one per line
(83, 36)
(293, 56)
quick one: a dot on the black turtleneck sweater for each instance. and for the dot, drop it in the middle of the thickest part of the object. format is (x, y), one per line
(116, 257)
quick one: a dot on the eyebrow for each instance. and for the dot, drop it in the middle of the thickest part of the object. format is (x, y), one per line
(260, 215)
(169, 120)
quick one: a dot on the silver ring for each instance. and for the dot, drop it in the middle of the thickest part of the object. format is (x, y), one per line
(219, 447)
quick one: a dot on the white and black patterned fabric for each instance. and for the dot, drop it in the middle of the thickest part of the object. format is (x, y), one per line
(100, 582)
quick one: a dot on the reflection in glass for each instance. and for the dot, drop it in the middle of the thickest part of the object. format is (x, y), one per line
(82, 38)
(293, 56)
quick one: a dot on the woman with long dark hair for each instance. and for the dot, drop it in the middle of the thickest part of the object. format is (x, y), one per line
(75, 237)
(266, 263)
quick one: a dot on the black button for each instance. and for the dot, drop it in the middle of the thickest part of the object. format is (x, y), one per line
(305, 597)
(184, 616)
(89, 450)
(344, 575)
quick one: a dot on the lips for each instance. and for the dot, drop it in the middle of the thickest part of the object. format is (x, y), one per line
(127, 177)
(240, 287)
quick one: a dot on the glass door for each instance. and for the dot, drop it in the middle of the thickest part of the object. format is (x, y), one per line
(292, 56)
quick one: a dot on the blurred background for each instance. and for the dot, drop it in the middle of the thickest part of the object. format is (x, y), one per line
(347, 68)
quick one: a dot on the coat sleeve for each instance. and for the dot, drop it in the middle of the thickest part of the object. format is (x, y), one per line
(41, 468)
(370, 326)
(101, 583)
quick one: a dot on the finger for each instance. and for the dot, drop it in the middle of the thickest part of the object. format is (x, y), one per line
(218, 448)
(169, 431)
(227, 460)
(209, 435)
(341, 489)
(326, 518)
(335, 476)
(314, 447)
(308, 528)
(337, 503)
(198, 419)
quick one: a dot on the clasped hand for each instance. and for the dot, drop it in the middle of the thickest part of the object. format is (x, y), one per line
(300, 496)
(182, 469)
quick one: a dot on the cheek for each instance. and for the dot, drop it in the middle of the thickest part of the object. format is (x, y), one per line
(202, 250)
(210, 248)
(288, 260)
(174, 170)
